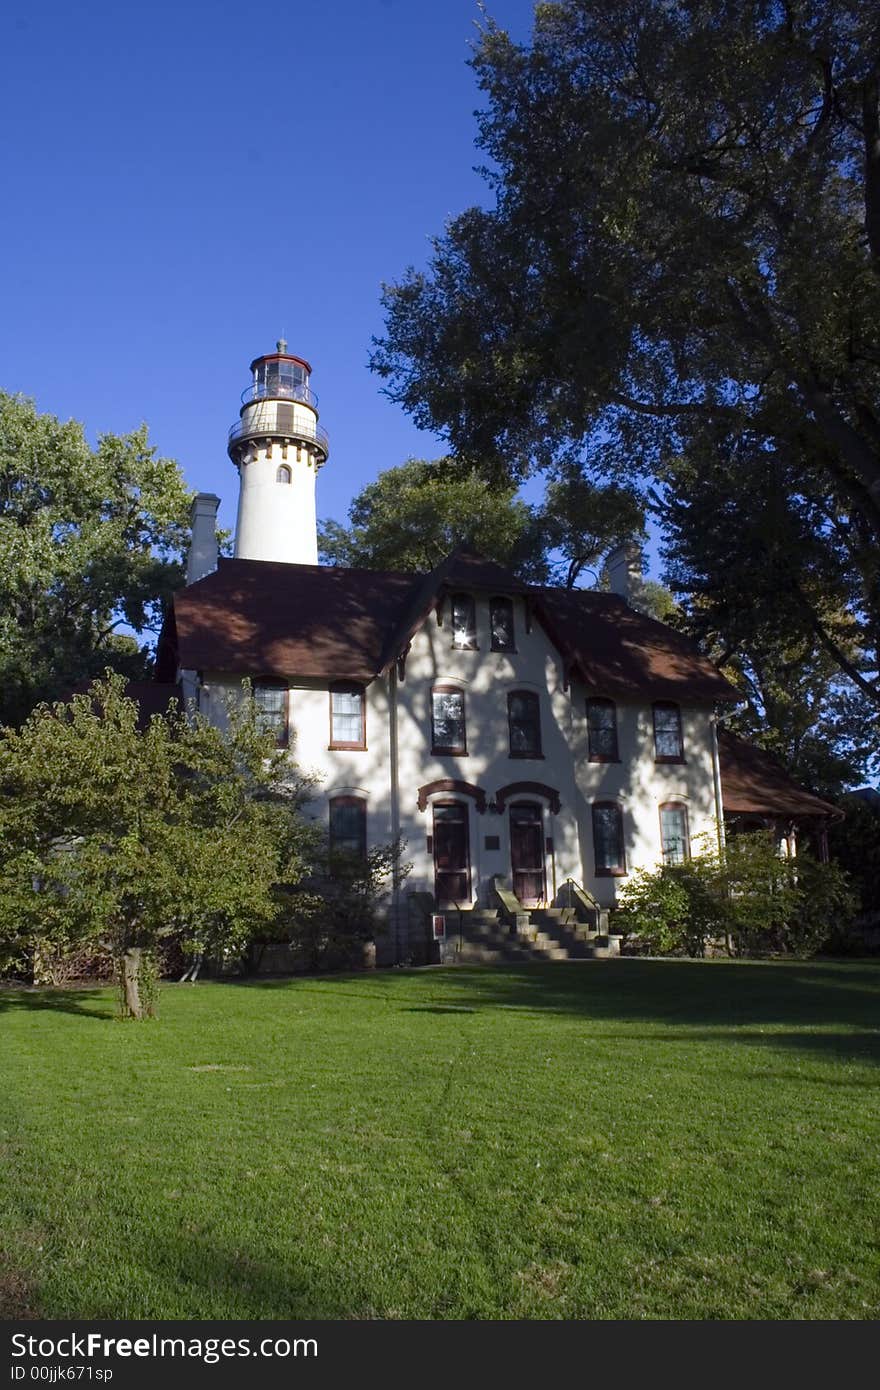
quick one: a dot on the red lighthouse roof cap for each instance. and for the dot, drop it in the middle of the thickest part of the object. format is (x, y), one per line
(281, 357)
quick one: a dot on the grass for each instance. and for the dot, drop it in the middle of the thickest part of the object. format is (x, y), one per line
(630, 1139)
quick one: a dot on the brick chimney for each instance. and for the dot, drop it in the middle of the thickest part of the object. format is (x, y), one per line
(623, 566)
(202, 556)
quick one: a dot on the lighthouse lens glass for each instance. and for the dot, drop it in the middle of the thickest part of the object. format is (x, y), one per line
(286, 379)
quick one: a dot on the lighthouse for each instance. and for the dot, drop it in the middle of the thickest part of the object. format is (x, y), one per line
(278, 446)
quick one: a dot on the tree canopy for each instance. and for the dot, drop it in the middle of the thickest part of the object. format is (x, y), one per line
(414, 515)
(91, 542)
(679, 278)
(117, 836)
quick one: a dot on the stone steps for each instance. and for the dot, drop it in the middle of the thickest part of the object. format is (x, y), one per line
(554, 934)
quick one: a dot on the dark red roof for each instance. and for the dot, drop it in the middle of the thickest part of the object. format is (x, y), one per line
(618, 651)
(270, 619)
(754, 783)
(264, 618)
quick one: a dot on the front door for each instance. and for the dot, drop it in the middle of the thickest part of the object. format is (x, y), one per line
(527, 853)
(452, 877)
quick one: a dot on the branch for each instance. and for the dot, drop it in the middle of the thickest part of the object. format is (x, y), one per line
(855, 675)
(841, 435)
(871, 133)
(703, 408)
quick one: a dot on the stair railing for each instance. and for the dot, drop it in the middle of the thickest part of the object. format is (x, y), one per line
(601, 912)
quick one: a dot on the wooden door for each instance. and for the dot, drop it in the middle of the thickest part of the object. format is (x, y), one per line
(452, 874)
(527, 853)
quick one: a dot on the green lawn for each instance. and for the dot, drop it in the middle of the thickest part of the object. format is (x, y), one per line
(619, 1139)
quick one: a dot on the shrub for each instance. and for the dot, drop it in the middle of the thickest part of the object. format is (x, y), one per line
(338, 909)
(759, 902)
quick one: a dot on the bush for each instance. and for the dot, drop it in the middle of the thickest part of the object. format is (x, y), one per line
(673, 910)
(338, 910)
(758, 902)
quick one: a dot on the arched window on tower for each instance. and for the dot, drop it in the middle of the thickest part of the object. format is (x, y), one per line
(283, 474)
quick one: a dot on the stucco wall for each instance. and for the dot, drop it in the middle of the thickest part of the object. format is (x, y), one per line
(276, 520)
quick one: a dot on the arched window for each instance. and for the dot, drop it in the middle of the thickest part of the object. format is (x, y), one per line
(283, 474)
(464, 622)
(674, 840)
(524, 724)
(448, 729)
(608, 843)
(602, 731)
(348, 716)
(501, 624)
(668, 746)
(348, 825)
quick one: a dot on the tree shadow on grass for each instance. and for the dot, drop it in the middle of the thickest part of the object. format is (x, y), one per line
(88, 1003)
(856, 1046)
(690, 992)
(204, 1279)
(823, 1007)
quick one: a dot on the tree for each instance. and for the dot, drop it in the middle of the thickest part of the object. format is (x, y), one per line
(414, 515)
(334, 916)
(122, 837)
(682, 263)
(758, 902)
(752, 564)
(90, 543)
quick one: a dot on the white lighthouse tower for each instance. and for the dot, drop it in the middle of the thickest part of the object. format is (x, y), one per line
(278, 446)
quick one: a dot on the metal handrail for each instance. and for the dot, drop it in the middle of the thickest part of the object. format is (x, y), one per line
(261, 428)
(280, 391)
(582, 886)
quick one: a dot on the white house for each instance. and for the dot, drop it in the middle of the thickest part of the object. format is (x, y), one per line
(528, 736)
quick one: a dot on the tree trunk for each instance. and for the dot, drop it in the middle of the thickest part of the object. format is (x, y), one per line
(131, 995)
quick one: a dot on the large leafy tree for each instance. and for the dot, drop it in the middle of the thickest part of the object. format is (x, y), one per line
(760, 583)
(412, 516)
(116, 837)
(681, 266)
(91, 542)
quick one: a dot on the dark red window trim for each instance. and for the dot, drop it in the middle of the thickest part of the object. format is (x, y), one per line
(535, 700)
(508, 603)
(668, 757)
(349, 688)
(593, 757)
(471, 644)
(449, 784)
(459, 750)
(617, 870)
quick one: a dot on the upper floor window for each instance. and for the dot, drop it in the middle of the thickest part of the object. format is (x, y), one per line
(602, 731)
(608, 843)
(674, 841)
(348, 716)
(283, 474)
(448, 731)
(272, 710)
(668, 747)
(524, 724)
(348, 825)
(501, 624)
(464, 621)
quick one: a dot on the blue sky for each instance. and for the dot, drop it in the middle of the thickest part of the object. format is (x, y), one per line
(183, 182)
